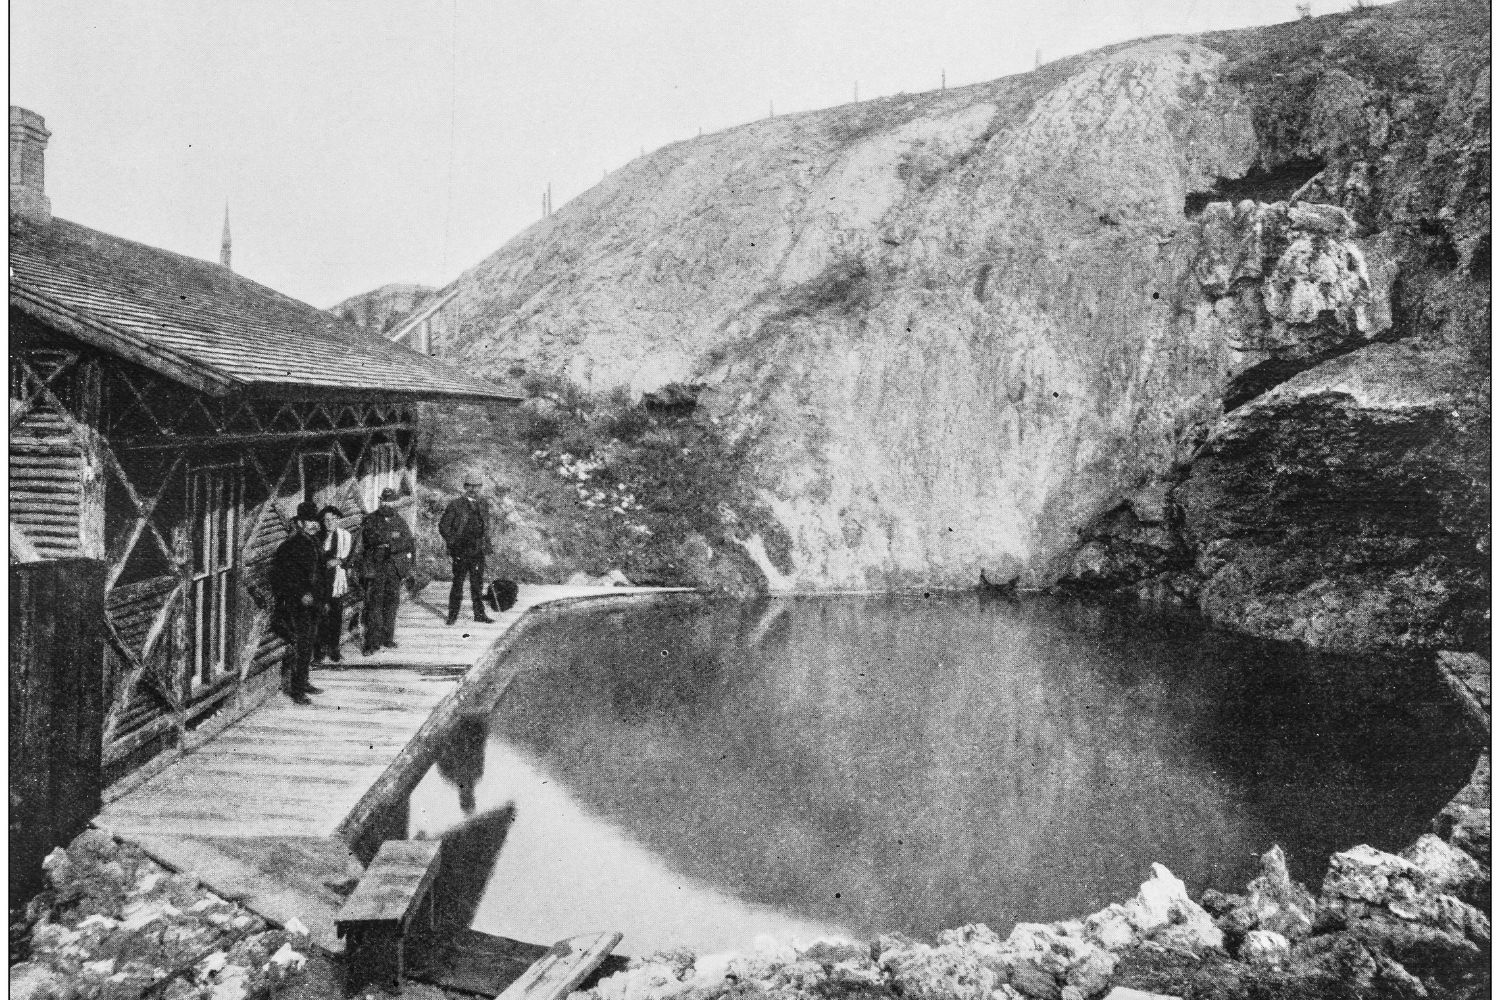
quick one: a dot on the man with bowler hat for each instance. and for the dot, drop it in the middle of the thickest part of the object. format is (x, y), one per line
(389, 552)
(297, 583)
(465, 527)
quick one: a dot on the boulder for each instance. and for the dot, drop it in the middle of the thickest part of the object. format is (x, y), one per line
(1090, 973)
(1287, 505)
(1110, 928)
(1288, 283)
(1450, 870)
(951, 971)
(1163, 912)
(1272, 902)
(1392, 906)
(1265, 948)
(831, 952)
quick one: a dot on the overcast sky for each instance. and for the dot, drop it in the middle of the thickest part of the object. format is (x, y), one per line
(360, 143)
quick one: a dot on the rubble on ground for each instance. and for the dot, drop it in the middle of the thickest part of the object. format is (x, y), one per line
(113, 924)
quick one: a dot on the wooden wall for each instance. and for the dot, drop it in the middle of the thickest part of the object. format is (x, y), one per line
(103, 455)
(56, 709)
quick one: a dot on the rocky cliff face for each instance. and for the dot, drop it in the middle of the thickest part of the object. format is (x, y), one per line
(1342, 500)
(958, 331)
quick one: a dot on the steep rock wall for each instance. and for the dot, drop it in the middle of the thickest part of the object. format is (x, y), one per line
(999, 328)
(951, 326)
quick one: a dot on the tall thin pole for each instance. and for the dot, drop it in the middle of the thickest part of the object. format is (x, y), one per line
(945, 79)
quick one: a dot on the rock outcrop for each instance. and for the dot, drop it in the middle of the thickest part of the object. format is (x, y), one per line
(948, 326)
(958, 331)
(1341, 499)
(1345, 508)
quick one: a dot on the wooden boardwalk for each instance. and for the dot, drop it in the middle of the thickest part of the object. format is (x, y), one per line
(256, 811)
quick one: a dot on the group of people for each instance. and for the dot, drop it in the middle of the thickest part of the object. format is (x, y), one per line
(310, 577)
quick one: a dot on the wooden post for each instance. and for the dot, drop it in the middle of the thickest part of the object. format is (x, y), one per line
(56, 709)
(91, 499)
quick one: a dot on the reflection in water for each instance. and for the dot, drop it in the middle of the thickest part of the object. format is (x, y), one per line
(699, 772)
(461, 761)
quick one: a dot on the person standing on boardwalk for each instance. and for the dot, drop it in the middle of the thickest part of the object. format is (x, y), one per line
(297, 583)
(389, 552)
(465, 527)
(336, 545)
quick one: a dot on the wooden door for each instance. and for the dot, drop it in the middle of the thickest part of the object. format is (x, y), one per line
(214, 524)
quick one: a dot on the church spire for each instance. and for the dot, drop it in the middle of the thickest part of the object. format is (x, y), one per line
(224, 241)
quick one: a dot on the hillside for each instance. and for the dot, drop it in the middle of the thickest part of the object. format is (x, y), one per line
(975, 329)
(378, 310)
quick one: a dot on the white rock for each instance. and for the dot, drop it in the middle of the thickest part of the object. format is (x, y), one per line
(710, 970)
(1110, 928)
(103, 969)
(231, 986)
(1152, 906)
(1265, 948)
(288, 958)
(297, 928)
(1126, 993)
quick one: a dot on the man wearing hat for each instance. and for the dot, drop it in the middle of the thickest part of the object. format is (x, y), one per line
(297, 582)
(465, 527)
(389, 553)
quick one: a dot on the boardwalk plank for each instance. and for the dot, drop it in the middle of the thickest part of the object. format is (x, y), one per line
(295, 772)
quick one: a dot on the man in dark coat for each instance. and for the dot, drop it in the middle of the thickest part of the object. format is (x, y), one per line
(465, 527)
(296, 581)
(389, 552)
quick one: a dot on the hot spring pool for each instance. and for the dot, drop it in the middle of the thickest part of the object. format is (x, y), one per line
(698, 773)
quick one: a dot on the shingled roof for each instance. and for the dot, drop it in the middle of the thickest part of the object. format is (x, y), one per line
(203, 325)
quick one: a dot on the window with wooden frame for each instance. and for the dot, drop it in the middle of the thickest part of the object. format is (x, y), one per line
(213, 532)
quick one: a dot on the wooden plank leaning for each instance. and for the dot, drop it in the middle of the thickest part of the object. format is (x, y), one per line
(563, 968)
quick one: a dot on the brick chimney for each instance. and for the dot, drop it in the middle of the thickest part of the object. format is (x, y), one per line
(28, 145)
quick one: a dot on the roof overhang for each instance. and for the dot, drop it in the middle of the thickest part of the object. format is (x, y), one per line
(344, 394)
(202, 378)
(112, 339)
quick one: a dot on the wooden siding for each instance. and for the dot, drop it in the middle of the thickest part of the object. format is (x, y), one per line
(103, 458)
(46, 484)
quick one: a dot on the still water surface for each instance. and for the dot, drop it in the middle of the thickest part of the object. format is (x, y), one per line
(700, 773)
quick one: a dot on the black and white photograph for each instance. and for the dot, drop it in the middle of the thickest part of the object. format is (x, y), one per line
(767, 500)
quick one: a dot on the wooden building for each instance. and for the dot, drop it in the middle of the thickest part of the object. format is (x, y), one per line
(166, 418)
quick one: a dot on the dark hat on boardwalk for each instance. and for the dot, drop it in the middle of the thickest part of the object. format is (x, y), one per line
(330, 509)
(308, 511)
(389, 493)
